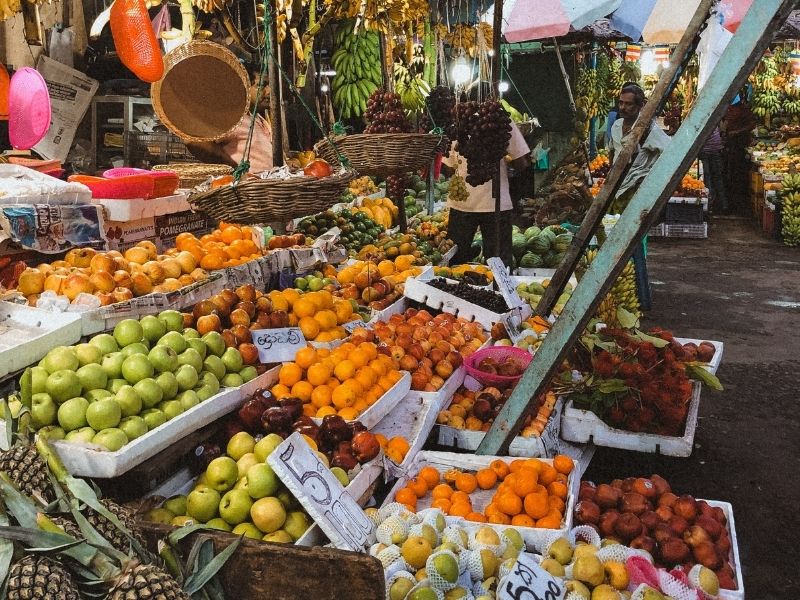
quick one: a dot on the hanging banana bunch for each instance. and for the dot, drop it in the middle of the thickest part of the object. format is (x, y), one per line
(413, 89)
(357, 62)
(8, 8)
(464, 36)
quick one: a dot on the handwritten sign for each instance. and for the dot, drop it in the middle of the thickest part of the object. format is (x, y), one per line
(351, 326)
(321, 494)
(528, 581)
(278, 345)
(504, 283)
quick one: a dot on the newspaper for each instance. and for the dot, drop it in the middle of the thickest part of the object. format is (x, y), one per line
(71, 93)
(53, 228)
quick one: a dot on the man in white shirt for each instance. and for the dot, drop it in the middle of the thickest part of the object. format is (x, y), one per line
(477, 211)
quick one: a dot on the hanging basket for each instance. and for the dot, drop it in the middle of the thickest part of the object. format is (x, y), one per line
(254, 201)
(192, 174)
(382, 154)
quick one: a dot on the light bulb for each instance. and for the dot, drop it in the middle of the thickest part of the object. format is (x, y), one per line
(503, 87)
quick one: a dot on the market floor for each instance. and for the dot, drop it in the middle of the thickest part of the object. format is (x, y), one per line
(739, 287)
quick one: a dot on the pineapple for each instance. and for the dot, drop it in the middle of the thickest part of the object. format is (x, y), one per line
(40, 578)
(25, 467)
(146, 581)
(109, 531)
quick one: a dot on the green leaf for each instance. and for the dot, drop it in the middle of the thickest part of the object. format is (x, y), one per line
(626, 319)
(180, 533)
(656, 341)
(22, 508)
(26, 387)
(196, 581)
(610, 386)
(9, 423)
(697, 371)
(83, 552)
(6, 554)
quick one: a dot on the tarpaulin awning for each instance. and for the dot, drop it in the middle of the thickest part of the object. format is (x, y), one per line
(539, 19)
(655, 21)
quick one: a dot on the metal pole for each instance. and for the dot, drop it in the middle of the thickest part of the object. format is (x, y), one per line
(739, 58)
(496, 63)
(275, 116)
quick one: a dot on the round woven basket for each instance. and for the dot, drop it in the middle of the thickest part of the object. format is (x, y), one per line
(272, 200)
(192, 174)
(204, 92)
(382, 154)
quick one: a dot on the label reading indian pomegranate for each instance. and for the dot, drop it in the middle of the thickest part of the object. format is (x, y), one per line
(529, 581)
(278, 345)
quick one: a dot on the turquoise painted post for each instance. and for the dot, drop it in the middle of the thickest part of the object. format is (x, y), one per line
(739, 58)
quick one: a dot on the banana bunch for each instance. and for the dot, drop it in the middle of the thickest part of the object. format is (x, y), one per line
(210, 6)
(464, 36)
(8, 8)
(357, 62)
(768, 102)
(343, 9)
(589, 92)
(790, 213)
(616, 79)
(622, 295)
(412, 89)
(390, 15)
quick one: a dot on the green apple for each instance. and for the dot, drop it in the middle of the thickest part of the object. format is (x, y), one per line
(159, 515)
(219, 523)
(172, 319)
(286, 499)
(182, 521)
(72, 414)
(341, 475)
(88, 354)
(188, 399)
(171, 408)
(187, 377)
(198, 346)
(213, 364)
(190, 333)
(232, 359)
(176, 504)
(163, 359)
(115, 385)
(232, 380)
(192, 357)
(133, 427)
(240, 444)
(149, 391)
(39, 377)
(83, 435)
(63, 385)
(266, 445)
(103, 414)
(248, 530)
(222, 473)
(242, 483)
(136, 367)
(168, 385)
(137, 348)
(127, 332)
(277, 537)
(248, 373)
(95, 395)
(111, 439)
(268, 514)
(92, 377)
(174, 340)
(153, 418)
(60, 358)
(14, 406)
(129, 401)
(112, 365)
(51, 433)
(152, 328)
(244, 464)
(207, 387)
(105, 342)
(296, 524)
(215, 343)
(202, 504)
(261, 481)
(235, 506)
(43, 410)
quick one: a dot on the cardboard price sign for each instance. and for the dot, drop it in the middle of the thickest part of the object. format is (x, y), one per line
(528, 581)
(504, 283)
(321, 494)
(351, 326)
(278, 345)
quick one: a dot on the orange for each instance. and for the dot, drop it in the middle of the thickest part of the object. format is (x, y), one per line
(475, 517)
(500, 467)
(491, 509)
(378, 367)
(359, 358)
(374, 394)
(323, 352)
(302, 390)
(290, 373)
(486, 479)
(394, 376)
(325, 299)
(525, 481)
(304, 307)
(535, 464)
(344, 370)
(281, 391)
(321, 396)
(361, 405)
(326, 319)
(460, 509)
(366, 377)
(231, 234)
(400, 443)
(357, 388)
(547, 475)
(466, 482)
(551, 521)
(562, 478)
(318, 374)
(309, 410)
(233, 253)
(291, 295)
(210, 262)
(563, 464)
(460, 497)
(343, 310)
(394, 455)
(382, 441)
(343, 397)
(420, 486)
(306, 357)
(554, 502)
(430, 475)
(499, 519)
(442, 504)
(522, 521)
(509, 503)
(516, 465)
(385, 383)
(325, 411)
(279, 303)
(510, 481)
(406, 496)
(348, 413)
(536, 505)
(557, 489)
(442, 491)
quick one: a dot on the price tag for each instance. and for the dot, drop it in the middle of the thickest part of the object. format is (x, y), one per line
(328, 239)
(321, 494)
(278, 345)
(504, 283)
(529, 581)
(305, 259)
(351, 326)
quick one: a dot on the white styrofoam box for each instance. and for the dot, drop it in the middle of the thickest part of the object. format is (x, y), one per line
(448, 256)
(736, 563)
(395, 308)
(717, 358)
(28, 333)
(413, 418)
(584, 426)
(444, 461)
(372, 416)
(139, 208)
(88, 460)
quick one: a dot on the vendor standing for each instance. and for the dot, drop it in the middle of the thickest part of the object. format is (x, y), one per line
(478, 210)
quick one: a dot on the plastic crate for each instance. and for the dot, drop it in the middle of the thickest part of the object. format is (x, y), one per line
(686, 230)
(147, 149)
(684, 212)
(656, 231)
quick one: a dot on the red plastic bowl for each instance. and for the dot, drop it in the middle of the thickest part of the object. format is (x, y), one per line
(499, 353)
(120, 188)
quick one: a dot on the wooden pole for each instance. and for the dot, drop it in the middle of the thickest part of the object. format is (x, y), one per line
(275, 112)
(495, 93)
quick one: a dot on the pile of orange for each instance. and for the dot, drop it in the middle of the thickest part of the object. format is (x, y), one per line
(394, 448)
(228, 246)
(528, 492)
(319, 315)
(344, 381)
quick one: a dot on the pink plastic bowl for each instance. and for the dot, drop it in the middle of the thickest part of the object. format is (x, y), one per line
(499, 353)
(29, 109)
(164, 182)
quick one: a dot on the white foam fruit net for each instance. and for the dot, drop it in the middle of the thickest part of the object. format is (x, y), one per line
(389, 556)
(425, 583)
(398, 575)
(430, 516)
(497, 549)
(437, 579)
(620, 553)
(584, 533)
(390, 527)
(392, 509)
(453, 535)
(416, 530)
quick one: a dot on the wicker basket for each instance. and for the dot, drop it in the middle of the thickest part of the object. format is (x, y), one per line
(382, 154)
(272, 200)
(192, 174)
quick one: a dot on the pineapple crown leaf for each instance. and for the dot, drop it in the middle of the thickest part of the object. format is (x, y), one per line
(200, 555)
(92, 535)
(6, 555)
(22, 508)
(198, 579)
(45, 541)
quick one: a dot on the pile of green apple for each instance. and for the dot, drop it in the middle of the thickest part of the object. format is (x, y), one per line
(119, 386)
(239, 492)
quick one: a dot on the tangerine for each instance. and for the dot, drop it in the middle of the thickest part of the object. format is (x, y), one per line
(419, 485)
(476, 517)
(460, 509)
(303, 390)
(500, 519)
(442, 491)
(306, 357)
(343, 396)
(304, 307)
(551, 521)
(344, 370)
(321, 396)
(486, 479)
(290, 373)
(325, 411)
(466, 482)
(318, 374)
(430, 476)
(522, 520)
(281, 391)
(406, 496)
(548, 475)
(500, 467)
(442, 504)
(536, 505)
(509, 503)
(348, 413)
(459, 496)
(525, 481)
(554, 502)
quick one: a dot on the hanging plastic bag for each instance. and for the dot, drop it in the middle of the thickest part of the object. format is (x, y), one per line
(136, 43)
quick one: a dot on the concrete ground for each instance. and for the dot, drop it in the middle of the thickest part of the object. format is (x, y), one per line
(743, 289)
